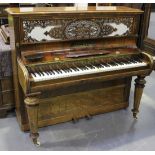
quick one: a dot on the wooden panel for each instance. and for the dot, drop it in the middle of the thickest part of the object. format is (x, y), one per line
(6, 96)
(7, 83)
(81, 104)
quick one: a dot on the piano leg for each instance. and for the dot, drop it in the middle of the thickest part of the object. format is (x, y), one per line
(32, 105)
(139, 86)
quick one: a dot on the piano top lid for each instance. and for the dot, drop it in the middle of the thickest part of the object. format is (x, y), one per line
(63, 10)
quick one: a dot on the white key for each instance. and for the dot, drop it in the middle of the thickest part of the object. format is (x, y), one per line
(38, 77)
(33, 76)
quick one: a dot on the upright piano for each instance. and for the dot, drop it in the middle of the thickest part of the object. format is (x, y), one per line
(70, 63)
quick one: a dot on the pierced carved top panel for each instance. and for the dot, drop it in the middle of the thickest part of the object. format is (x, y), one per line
(75, 29)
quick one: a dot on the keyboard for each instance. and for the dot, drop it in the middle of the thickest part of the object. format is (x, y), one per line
(43, 73)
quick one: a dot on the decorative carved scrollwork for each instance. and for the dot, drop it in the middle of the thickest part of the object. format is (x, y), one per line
(55, 32)
(108, 29)
(29, 25)
(73, 29)
(82, 29)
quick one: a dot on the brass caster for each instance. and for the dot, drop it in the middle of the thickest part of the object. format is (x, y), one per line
(35, 139)
(134, 114)
(36, 142)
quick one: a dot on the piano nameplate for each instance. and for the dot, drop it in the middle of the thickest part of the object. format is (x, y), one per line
(76, 29)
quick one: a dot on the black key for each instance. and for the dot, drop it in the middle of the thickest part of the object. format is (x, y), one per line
(47, 73)
(51, 70)
(74, 69)
(34, 74)
(88, 67)
(85, 68)
(115, 64)
(57, 71)
(31, 71)
(91, 67)
(105, 64)
(70, 70)
(38, 71)
(82, 68)
(65, 70)
(111, 64)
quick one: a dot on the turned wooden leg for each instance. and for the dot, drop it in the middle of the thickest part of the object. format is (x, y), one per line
(32, 105)
(139, 86)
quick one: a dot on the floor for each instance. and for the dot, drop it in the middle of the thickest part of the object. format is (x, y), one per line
(110, 131)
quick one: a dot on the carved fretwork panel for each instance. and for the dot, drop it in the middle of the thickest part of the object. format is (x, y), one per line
(40, 30)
